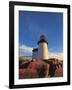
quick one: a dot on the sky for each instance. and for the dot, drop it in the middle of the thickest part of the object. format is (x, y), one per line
(34, 24)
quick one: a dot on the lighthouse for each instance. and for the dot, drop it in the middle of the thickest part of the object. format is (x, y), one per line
(43, 48)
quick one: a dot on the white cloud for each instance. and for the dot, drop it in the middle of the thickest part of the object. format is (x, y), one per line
(51, 49)
(53, 54)
(58, 55)
(25, 50)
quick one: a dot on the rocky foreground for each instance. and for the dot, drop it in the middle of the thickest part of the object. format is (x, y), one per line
(40, 68)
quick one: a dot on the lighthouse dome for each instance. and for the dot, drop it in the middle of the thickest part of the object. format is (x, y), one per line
(42, 39)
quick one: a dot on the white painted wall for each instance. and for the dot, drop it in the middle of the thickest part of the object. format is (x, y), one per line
(4, 44)
(43, 50)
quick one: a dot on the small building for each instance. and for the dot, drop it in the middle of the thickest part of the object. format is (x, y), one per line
(35, 53)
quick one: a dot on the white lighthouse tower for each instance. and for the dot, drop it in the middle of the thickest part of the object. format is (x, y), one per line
(43, 48)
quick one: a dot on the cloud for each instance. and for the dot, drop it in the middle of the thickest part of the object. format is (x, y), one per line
(25, 50)
(51, 49)
(58, 55)
(55, 54)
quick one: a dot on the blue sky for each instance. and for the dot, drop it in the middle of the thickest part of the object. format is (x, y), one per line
(33, 24)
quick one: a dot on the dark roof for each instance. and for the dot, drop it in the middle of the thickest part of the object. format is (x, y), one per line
(35, 49)
(42, 39)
